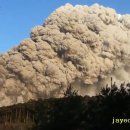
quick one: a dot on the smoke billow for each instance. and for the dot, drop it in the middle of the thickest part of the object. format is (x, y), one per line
(78, 45)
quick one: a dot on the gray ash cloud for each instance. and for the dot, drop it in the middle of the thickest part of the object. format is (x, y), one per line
(79, 45)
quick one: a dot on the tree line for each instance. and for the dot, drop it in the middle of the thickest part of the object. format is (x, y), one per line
(74, 112)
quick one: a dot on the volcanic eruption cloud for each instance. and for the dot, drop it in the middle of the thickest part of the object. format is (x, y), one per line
(79, 45)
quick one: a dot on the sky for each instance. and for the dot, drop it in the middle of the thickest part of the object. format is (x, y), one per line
(18, 17)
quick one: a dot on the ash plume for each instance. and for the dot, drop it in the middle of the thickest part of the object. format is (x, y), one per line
(79, 45)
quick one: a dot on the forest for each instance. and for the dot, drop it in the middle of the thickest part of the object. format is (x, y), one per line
(72, 112)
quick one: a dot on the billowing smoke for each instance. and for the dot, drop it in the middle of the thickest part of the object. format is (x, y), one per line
(79, 45)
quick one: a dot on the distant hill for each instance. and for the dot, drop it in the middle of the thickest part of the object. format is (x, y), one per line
(72, 112)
